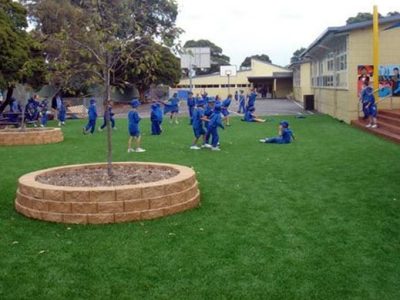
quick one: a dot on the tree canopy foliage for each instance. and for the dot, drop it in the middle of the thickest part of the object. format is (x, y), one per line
(366, 16)
(296, 55)
(21, 59)
(261, 57)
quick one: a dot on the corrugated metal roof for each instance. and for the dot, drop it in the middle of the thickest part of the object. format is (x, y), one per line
(348, 28)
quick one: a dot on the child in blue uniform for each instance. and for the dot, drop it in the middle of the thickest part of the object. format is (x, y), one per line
(62, 112)
(15, 110)
(285, 135)
(252, 98)
(225, 109)
(215, 121)
(92, 116)
(133, 127)
(208, 111)
(242, 103)
(191, 103)
(43, 113)
(197, 124)
(371, 107)
(112, 120)
(172, 107)
(32, 110)
(156, 119)
(249, 116)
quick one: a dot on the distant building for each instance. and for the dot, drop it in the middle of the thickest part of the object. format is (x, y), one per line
(335, 65)
(274, 81)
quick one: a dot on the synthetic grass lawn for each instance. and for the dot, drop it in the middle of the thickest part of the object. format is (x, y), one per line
(316, 219)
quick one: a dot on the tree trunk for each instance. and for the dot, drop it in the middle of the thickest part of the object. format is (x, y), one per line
(142, 98)
(7, 101)
(108, 123)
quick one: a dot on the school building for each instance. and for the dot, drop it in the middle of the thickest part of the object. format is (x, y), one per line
(329, 70)
(276, 81)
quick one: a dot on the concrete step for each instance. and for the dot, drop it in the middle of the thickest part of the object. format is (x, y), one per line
(380, 131)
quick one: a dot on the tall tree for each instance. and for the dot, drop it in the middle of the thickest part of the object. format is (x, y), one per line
(21, 59)
(296, 55)
(261, 57)
(217, 57)
(93, 37)
(156, 64)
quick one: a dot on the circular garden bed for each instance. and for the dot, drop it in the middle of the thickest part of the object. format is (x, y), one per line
(30, 136)
(154, 190)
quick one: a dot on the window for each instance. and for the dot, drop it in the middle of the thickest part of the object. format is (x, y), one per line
(228, 85)
(330, 68)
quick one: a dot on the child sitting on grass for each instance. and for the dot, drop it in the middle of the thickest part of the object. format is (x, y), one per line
(249, 116)
(285, 135)
(133, 127)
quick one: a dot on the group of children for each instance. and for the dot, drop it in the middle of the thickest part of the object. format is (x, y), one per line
(207, 115)
(36, 111)
(92, 117)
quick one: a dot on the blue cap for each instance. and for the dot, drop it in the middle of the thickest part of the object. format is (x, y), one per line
(284, 124)
(92, 101)
(154, 106)
(217, 106)
(135, 103)
(211, 99)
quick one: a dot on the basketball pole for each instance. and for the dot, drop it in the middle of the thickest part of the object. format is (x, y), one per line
(229, 83)
(376, 47)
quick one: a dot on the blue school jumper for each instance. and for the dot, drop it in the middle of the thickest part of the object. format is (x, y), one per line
(372, 109)
(31, 110)
(112, 120)
(285, 138)
(252, 100)
(133, 123)
(212, 131)
(248, 116)
(156, 119)
(242, 104)
(92, 113)
(225, 106)
(197, 122)
(191, 103)
(61, 109)
(172, 106)
(43, 112)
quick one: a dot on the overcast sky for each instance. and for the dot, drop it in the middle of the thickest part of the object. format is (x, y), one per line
(274, 27)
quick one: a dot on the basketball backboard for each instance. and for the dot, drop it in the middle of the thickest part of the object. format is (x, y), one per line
(226, 71)
(196, 58)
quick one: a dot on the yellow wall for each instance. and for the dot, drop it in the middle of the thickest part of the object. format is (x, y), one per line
(343, 103)
(360, 43)
(284, 87)
(257, 69)
(305, 83)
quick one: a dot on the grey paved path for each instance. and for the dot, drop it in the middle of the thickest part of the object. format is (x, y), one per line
(265, 107)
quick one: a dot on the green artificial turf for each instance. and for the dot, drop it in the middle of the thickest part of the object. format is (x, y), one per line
(316, 219)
